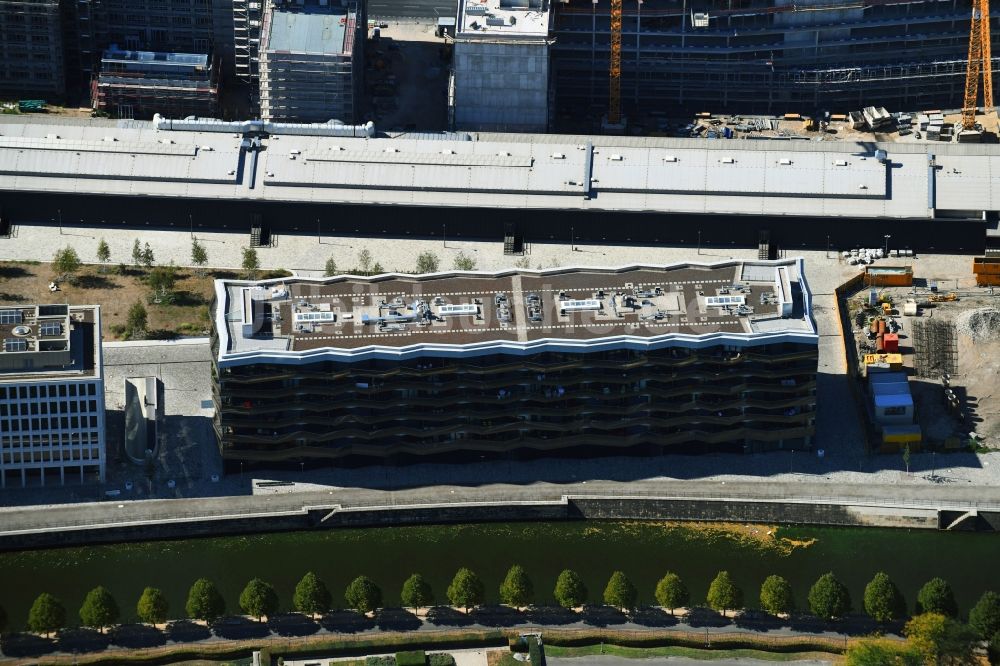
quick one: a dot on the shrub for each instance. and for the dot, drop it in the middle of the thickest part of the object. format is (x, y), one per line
(380, 661)
(411, 658)
(440, 659)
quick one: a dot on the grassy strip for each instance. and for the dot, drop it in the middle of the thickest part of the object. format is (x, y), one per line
(676, 651)
(693, 639)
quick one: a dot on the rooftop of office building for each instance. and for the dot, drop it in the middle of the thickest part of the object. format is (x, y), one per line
(490, 19)
(49, 341)
(313, 29)
(558, 309)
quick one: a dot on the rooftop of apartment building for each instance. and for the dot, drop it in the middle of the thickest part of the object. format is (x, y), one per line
(46, 342)
(500, 19)
(314, 29)
(558, 309)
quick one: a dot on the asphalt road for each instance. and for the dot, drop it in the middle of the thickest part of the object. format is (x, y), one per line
(411, 9)
(15, 520)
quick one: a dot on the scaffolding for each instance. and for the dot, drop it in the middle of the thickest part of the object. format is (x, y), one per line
(137, 84)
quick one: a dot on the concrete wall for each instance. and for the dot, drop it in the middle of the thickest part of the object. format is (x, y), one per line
(501, 87)
(572, 509)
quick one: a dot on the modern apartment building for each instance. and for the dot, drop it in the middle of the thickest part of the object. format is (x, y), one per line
(51, 395)
(687, 357)
(31, 49)
(311, 61)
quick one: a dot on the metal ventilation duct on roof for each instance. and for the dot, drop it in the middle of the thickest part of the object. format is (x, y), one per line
(476, 10)
(495, 21)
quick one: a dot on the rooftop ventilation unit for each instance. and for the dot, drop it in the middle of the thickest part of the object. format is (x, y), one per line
(580, 305)
(458, 310)
(475, 10)
(495, 21)
(724, 301)
(314, 317)
(700, 20)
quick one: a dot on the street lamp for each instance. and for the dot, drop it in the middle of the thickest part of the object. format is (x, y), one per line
(887, 237)
(828, 246)
(699, 241)
(191, 221)
(59, 210)
(444, 235)
(572, 239)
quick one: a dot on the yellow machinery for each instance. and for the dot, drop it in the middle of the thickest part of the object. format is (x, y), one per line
(979, 60)
(943, 298)
(615, 71)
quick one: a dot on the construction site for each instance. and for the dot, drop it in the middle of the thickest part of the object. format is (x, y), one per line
(923, 351)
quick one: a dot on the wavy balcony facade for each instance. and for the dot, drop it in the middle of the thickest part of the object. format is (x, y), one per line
(458, 366)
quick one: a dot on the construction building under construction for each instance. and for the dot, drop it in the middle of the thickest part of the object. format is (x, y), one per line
(137, 84)
(311, 61)
(31, 48)
(761, 55)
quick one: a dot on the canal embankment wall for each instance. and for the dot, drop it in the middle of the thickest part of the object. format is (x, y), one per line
(828, 512)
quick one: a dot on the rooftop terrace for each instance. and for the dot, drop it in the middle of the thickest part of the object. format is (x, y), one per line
(514, 310)
(491, 19)
(49, 340)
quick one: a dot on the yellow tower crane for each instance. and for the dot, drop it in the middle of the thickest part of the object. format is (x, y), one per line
(979, 60)
(615, 71)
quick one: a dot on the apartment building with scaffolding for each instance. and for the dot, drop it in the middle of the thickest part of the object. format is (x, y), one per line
(686, 357)
(52, 425)
(138, 84)
(31, 49)
(311, 60)
(768, 56)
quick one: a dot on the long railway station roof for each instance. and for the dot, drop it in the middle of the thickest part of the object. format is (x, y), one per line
(513, 311)
(560, 172)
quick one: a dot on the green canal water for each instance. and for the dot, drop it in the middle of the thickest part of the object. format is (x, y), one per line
(643, 550)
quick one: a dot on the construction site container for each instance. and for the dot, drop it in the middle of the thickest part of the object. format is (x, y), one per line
(890, 342)
(898, 436)
(987, 271)
(889, 276)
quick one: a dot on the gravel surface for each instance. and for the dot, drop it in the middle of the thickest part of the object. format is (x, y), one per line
(980, 324)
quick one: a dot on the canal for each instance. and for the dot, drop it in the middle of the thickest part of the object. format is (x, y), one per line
(643, 550)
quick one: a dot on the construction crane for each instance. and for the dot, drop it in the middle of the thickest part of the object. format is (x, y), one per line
(979, 60)
(615, 71)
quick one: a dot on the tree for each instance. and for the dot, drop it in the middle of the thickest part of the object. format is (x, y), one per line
(199, 255)
(417, 592)
(906, 457)
(251, 263)
(331, 268)
(883, 600)
(936, 597)
(363, 595)
(570, 591)
(940, 639)
(204, 601)
(723, 594)
(161, 281)
(311, 595)
(148, 258)
(776, 596)
(464, 262)
(258, 599)
(152, 606)
(993, 649)
(103, 253)
(881, 653)
(517, 589)
(427, 262)
(47, 614)
(99, 609)
(671, 592)
(985, 615)
(66, 263)
(136, 253)
(829, 598)
(365, 260)
(466, 589)
(377, 268)
(620, 592)
(137, 321)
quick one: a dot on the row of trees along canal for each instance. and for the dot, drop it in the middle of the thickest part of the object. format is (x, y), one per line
(829, 599)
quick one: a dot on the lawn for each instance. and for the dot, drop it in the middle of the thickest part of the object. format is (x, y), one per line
(676, 651)
(27, 283)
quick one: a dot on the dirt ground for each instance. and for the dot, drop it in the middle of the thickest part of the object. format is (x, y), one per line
(27, 282)
(973, 366)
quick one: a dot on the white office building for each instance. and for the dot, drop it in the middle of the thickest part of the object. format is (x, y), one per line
(51, 395)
